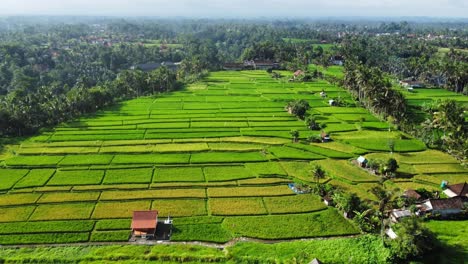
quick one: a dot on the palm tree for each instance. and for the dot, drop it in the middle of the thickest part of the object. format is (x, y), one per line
(295, 135)
(318, 173)
(384, 198)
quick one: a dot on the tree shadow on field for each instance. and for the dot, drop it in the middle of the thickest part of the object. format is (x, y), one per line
(446, 254)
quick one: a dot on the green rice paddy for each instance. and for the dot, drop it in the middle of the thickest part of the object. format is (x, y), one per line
(216, 156)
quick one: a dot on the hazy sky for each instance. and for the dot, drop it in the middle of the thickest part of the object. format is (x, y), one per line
(237, 8)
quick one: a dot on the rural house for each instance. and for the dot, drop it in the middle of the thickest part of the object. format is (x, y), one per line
(328, 200)
(444, 207)
(397, 214)
(410, 84)
(265, 65)
(316, 261)
(412, 194)
(337, 60)
(325, 137)
(298, 73)
(362, 161)
(144, 223)
(232, 66)
(457, 190)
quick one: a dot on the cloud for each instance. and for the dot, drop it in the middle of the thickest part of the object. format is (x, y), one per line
(230, 8)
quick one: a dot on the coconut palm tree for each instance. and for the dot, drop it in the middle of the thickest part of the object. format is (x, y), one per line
(318, 173)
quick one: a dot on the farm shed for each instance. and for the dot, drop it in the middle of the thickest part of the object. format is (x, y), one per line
(412, 84)
(444, 207)
(362, 161)
(144, 223)
(398, 214)
(412, 194)
(316, 261)
(325, 137)
(298, 73)
(457, 190)
(328, 200)
(390, 233)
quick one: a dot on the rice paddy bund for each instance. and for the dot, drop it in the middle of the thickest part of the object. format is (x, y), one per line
(216, 156)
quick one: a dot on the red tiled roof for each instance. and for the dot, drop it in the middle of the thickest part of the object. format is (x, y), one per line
(144, 219)
(460, 189)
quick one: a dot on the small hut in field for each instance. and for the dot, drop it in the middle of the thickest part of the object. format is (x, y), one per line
(144, 223)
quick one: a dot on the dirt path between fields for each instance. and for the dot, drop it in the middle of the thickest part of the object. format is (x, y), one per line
(220, 246)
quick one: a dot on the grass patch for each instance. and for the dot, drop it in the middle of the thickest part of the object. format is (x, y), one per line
(18, 199)
(179, 174)
(181, 147)
(266, 169)
(381, 144)
(105, 210)
(50, 238)
(301, 203)
(319, 224)
(322, 151)
(362, 249)
(226, 157)
(153, 194)
(114, 224)
(8, 177)
(78, 177)
(201, 232)
(226, 173)
(298, 169)
(439, 168)
(293, 153)
(346, 170)
(180, 207)
(261, 191)
(46, 227)
(151, 159)
(34, 161)
(110, 236)
(73, 160)
(63, 211)
(35, 178)
(69, 197)
(15, 214)
(128, 176)
(236, 206)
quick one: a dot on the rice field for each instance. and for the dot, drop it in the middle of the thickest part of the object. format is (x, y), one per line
(216, 156)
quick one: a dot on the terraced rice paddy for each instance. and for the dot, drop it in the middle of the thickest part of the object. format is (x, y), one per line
(216, 156)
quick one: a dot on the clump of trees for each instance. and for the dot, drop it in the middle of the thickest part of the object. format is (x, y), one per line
(387, 168)
(298, 108)
(446, 128)
(413, 241)
(23, 112)
(370, 87)
(295, 135)
(311, 123)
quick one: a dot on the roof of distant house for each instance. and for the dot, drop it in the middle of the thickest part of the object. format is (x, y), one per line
(410, 193)
(460, 189)
(144, 219)
(315, 261)
(401, 213)
(361, 159)
(298, 72)
(445, 204)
